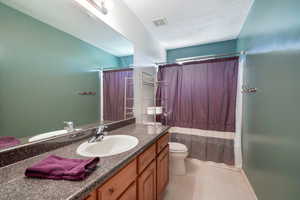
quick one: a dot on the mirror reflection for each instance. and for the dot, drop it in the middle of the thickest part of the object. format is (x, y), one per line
(117, 94)
(56, 79)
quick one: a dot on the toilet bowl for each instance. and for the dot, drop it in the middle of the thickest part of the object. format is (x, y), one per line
(178, 153)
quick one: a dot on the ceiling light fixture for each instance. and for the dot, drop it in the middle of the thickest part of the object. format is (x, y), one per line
(97, 7)
(100, 5)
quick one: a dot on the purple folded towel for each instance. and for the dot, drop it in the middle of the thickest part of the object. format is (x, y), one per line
(58, 168)
(8, 141)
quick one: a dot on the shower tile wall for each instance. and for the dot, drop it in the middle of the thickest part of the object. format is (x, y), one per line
(207, 148)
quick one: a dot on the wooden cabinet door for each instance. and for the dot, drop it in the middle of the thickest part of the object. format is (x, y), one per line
(162, 172)
(130, 193)
(147, 183)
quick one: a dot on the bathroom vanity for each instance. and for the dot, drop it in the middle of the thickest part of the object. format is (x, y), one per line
(144, 178)
(140, 173)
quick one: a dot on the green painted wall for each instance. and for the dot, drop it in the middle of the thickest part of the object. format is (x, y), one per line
(41, 71)
(270, 138)
(200, 50)
(126, 61)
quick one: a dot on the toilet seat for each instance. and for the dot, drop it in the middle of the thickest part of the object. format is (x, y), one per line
(177, 147)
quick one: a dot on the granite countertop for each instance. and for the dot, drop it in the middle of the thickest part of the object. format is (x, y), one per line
(15, 186)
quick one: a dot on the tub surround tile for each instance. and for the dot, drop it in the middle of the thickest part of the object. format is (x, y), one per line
(14, 185)
(207, 148)
(198, 147)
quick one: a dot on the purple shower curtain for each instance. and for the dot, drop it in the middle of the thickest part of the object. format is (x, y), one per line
(114, 93)
(200, 94)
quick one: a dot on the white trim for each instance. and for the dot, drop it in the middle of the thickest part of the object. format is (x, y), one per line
(101, 94)
(204, 133)
(239, 114)
(249, 186)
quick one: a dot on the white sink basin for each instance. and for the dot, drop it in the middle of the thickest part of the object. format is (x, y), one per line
(110, 145)
(48, 135)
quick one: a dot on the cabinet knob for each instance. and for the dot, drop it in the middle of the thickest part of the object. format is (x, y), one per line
(111, 190)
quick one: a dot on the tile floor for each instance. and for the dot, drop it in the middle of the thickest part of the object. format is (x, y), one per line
(207, 181)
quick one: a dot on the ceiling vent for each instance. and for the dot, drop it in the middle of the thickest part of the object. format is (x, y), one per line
(160, 22)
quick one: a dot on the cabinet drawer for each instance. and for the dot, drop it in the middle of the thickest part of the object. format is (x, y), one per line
(162, 142)
(115, 186)
(92, 196)
(145, 158)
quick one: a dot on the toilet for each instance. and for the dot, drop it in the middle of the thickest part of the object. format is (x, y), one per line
(178, 153)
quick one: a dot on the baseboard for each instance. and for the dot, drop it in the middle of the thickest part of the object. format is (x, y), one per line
(249, 185)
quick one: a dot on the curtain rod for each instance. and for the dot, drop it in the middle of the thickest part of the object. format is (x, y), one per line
(114, 69)
(200, 58)
(122, 68)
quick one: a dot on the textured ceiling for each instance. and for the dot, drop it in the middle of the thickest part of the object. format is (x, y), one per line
(68, 16)
(192, 22)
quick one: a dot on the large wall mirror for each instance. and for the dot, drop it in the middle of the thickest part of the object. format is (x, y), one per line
(59, 69)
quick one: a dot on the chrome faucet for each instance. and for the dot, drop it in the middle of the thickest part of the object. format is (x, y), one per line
(70, 126)
(99, 134)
